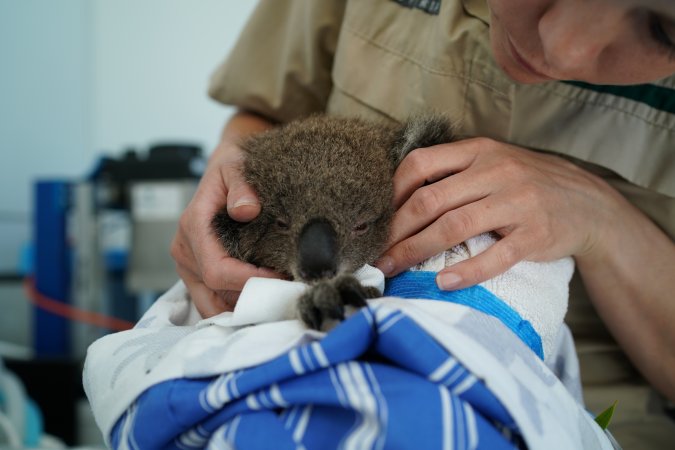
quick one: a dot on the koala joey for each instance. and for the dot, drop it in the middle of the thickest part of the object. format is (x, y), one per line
(325, 187)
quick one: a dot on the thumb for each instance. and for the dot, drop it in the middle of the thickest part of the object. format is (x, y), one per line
(243, 204)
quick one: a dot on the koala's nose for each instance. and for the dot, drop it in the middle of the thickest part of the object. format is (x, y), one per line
(317, 250)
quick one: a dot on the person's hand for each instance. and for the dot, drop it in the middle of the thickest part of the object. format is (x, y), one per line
(213, 278)
(542, 206)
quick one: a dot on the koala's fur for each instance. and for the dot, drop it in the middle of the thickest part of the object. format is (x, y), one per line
(325, 187)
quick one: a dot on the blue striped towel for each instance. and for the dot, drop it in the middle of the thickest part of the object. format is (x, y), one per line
(376, 381)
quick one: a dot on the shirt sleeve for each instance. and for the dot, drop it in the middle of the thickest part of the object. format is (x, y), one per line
(281, 64)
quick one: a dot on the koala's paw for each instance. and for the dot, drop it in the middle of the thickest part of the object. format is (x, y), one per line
(323, 304)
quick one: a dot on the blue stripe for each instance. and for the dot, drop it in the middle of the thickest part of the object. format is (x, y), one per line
(421, 284)
(289, 415)
(307, 361)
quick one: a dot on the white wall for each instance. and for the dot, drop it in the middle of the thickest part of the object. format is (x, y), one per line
(82, 77)
(151, 65)
(43, 96)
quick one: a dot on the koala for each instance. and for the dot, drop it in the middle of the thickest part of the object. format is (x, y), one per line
(325, 187)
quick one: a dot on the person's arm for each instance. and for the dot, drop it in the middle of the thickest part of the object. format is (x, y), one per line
(212, 277)
(630, 275)
(544, 208)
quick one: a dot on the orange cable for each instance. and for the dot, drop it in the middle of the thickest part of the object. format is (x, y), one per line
(70, 312)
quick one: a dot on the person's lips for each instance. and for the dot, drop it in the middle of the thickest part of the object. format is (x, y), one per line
(524, 64)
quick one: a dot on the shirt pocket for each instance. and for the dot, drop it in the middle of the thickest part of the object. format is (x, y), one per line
(383, 71)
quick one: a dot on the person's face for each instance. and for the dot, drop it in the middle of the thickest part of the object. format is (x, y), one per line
(597, 41)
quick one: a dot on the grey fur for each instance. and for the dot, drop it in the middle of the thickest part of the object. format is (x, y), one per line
(329, 170)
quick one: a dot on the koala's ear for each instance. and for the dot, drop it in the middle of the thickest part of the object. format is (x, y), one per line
(421, 131)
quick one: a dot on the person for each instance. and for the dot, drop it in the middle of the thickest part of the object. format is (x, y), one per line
(567, 108)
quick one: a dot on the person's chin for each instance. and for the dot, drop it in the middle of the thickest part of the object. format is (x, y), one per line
(515, 69)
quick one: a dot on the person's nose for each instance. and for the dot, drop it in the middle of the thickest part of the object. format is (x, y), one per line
(575, 34)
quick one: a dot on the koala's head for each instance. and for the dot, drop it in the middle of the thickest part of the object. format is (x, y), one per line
(325, 186)
(325, 189)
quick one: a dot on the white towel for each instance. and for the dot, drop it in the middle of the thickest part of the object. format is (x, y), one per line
(539, 292)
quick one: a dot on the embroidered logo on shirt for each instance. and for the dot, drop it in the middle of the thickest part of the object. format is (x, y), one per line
(428, 6)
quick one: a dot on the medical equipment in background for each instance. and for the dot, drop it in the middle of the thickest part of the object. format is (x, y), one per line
(102, 244)
(20, 419)
(100, 256)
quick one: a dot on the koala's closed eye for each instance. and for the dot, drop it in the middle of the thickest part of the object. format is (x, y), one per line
(323, 172)
(281, 223)
(361, 228)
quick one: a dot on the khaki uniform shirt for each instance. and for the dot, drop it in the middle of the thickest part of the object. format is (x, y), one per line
(383, 60)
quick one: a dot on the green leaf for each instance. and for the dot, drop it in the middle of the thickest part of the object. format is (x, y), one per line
(605, 417)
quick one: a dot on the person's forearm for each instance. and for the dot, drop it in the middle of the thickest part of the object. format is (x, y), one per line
(630, 276)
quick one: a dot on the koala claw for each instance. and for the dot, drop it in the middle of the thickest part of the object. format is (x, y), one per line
(324, 303)
(319, 303)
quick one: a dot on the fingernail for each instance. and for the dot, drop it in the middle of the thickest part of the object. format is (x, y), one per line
(385, 264)
(448, 280)
(245, 201)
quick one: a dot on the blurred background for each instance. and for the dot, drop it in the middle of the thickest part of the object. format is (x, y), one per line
(105, 127)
